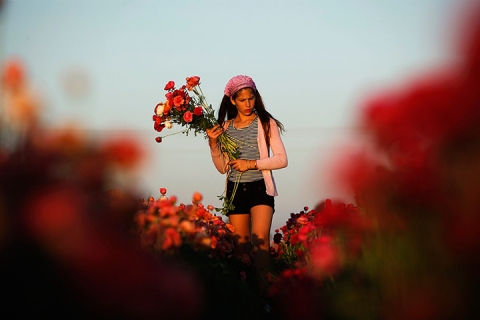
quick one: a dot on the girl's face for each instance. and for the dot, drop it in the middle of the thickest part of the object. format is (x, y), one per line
(244, 101)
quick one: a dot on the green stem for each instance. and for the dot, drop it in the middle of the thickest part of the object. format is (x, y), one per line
(171, 134)
(227, 203)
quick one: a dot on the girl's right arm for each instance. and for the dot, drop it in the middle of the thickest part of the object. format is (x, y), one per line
(219, 158)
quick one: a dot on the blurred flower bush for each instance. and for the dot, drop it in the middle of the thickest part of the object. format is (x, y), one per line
(191, 235)
(73, 246)
(408, 248)
(66, 243)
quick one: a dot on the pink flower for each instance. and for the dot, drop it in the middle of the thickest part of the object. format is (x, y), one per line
(302, 219)
(188, 117)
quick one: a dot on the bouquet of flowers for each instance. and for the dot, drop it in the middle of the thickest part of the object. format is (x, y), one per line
(188, 107)
(190, 111)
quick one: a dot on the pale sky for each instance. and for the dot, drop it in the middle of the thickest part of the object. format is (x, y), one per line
(314, 62)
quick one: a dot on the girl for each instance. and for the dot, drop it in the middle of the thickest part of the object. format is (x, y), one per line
(256, 132)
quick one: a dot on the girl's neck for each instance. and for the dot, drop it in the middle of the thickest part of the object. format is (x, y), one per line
(243, 118)
(241, 121)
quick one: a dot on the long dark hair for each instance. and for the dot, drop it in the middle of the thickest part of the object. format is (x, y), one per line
(229, 111)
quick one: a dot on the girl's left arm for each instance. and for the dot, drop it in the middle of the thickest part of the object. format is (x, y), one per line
(278, 159)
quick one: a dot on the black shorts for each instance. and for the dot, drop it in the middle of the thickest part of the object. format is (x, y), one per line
(249, 195)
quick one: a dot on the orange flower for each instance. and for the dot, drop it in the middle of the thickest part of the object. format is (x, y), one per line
(192, 82)
(141, 220)
(187, 226)
(166, 107)
(214, 242)
(13, 75)
(230, 227)
(197, 197)
(171, 239)
(203, 240)
(178, 101)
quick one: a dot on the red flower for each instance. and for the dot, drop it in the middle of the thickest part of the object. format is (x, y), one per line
(163, 191)
(158, 125)
(192, 82)
(158, 139)
(188, 116)
(198, 111)
(123, 152)
(169, 85)
(325, 256)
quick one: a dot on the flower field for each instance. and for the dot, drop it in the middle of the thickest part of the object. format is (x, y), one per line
(74, 247)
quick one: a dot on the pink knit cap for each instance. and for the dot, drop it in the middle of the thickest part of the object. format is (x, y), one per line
(237, 83)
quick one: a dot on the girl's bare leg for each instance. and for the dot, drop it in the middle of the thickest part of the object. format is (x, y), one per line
(242, 241)
(261, 223)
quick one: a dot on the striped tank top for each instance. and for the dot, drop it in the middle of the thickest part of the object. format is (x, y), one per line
(246, 139)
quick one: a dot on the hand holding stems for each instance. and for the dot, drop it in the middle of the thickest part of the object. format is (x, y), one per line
(242, 165)
(213, 135)
(216, 134)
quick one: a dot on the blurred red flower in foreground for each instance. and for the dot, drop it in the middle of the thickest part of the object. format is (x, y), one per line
(67, 247)
(13, 75)
(421, 186)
